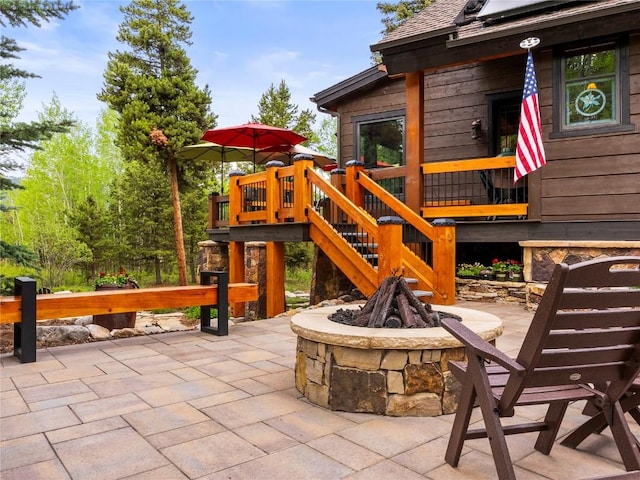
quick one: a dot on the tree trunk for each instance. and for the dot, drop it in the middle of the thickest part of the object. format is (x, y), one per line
(177, 222)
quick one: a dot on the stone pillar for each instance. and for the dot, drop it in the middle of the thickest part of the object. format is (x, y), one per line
(255, 255)
(328, 281)
(213, 256)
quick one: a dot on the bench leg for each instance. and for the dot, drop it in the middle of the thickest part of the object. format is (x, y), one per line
(223, 304)
(24, 332)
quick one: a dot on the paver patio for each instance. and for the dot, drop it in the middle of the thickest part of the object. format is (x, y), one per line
(189, 405)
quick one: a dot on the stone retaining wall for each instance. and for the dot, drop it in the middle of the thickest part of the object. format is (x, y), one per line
(387, 382)
(476, 290)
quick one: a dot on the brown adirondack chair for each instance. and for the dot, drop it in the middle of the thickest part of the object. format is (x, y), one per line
(585, 332)
(597, 422)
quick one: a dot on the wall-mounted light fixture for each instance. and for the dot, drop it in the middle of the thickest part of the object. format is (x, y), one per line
(475, 129)
(592, 86)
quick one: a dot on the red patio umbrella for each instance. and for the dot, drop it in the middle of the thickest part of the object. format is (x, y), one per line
(252, 135)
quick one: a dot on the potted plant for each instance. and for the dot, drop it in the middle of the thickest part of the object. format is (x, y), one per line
(487, 273)
(514, 268)
(469, 270)
(115, 281)
(500, 268)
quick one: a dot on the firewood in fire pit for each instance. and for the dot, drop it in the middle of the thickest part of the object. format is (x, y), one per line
(392, 305)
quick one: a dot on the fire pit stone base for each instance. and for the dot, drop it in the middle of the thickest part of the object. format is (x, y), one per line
(396, 372)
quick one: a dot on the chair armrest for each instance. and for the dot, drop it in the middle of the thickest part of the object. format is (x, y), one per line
(480, 347)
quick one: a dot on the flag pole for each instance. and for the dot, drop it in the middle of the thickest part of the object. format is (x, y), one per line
(529, 43)
(530, 153)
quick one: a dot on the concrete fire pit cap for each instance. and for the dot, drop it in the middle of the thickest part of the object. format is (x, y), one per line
(314, 324)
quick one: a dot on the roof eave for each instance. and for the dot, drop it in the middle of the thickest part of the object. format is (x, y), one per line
(557, 22)
(361, 80)
(380, 46)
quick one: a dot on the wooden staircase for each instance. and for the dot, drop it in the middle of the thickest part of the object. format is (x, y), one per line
(368, 250)
(365, 249)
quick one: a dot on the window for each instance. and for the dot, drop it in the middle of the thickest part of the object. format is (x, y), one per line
(380, 140)
(504, 117)
(590, 87)
(593, 89)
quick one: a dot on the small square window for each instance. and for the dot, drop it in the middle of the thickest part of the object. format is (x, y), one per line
(381, 142)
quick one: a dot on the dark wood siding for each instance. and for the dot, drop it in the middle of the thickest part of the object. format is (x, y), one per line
(455, 97)
(592, 177)
(386, 98)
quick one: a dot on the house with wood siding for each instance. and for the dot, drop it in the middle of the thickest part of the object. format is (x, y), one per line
(436, 122)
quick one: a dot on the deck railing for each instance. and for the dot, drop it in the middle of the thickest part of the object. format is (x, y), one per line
(479, 189)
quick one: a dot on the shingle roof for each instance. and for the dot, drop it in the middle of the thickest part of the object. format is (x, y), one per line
(428, 22)
(440, 16)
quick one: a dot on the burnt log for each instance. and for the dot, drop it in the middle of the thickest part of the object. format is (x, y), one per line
(408, 293)
(383, 303)
(406, 314)
(393, 321)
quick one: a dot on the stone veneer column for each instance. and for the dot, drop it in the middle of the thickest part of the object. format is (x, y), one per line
(541, 257)
(255, 255)
(214, 256)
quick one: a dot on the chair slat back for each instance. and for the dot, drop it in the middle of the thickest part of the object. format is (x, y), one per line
(586, 329)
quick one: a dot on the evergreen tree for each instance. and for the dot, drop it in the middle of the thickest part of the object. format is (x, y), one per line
(395, 14)
(327, 137)
(16, 137)
(152, 87)
(275, 109)
(140, 196)
(20, 136)
(61, 175)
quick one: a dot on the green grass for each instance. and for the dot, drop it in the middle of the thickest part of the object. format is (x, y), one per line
(297, 279)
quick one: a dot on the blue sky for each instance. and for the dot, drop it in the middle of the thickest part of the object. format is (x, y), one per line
(239, 49)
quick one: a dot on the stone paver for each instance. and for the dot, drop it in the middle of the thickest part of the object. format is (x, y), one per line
(188, 405)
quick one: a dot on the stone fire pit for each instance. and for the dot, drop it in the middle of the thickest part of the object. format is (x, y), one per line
(388, 371)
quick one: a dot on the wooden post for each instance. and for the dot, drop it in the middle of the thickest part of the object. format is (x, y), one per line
(275, 278)
(275, 250)
(329, 209)
(354, 191)
(389, 247)
(414, 137)
(302, 188)
(444, 259)
(337, 178)
(236, 249)
(273, 191)
(235, 197)
(213, 211)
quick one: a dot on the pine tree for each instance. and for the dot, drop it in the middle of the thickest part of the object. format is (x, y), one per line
(395, 14)
(17, 137)
(275, 109)
(152, 87)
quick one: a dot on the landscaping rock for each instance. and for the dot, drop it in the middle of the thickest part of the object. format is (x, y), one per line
(62, 334)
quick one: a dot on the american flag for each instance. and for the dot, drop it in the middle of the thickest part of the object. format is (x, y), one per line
(529, 149)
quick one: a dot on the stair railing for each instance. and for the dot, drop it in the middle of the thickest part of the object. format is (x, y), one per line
(432, 264)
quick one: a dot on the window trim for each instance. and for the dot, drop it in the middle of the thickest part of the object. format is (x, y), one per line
(378, 117)
(621, 44)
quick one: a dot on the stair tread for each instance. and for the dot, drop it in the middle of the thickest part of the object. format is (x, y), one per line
(422, 293)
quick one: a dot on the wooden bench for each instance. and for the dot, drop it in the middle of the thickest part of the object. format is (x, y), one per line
(26, 308)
